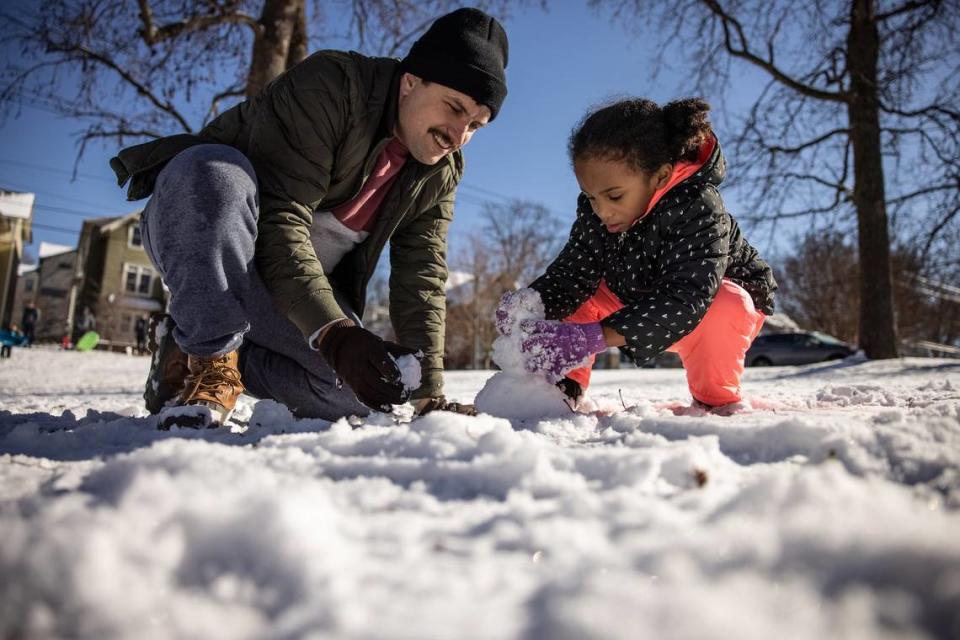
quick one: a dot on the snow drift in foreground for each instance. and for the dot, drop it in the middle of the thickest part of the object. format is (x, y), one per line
(828, 508)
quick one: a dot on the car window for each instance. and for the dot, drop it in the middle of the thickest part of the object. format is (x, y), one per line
(827, 338)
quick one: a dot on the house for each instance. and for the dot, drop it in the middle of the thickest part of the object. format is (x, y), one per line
(28, 284)
(16, 212)
(55, 290)
(116, 281)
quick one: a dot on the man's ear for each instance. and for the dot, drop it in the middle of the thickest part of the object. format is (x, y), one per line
(408, 82)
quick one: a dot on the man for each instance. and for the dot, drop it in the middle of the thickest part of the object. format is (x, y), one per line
(140, 333)
(29, 321)
(267, 227)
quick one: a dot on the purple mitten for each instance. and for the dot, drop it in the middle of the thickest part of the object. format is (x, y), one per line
(555, 348)
(515, 306)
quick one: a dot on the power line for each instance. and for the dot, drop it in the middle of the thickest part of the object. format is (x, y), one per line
(74, 212)
(488, 192)
(40, 167)
(20, 186)
(49, 227)
(474, 198)
(477, 198)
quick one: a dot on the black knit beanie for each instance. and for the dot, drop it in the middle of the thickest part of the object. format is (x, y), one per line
(465, 50)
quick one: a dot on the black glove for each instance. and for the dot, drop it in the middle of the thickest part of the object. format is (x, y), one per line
(363, 361)
(572, 391)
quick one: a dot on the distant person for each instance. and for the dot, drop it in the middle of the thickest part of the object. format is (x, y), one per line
(85, 321)
(268, 225)
(29, 321)
(140, 331)
(654, 261)
(10, 337)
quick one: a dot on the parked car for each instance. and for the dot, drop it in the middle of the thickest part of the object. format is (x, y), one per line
(798, 347)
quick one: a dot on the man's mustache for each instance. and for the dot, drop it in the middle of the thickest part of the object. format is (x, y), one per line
(446, 139)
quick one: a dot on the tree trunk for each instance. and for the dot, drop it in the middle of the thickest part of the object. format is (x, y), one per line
(283, 21)
(298, 39)
(878, 332)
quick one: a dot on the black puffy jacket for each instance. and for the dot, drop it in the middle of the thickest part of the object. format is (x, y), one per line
(666, 268)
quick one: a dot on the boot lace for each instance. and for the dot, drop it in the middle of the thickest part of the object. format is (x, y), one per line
(213, 377)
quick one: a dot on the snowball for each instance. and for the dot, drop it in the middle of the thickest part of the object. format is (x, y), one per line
(409, 372)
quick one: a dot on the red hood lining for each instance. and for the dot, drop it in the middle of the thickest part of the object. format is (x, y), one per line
(682, 171)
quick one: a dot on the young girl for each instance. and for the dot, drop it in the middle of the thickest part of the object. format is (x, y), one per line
(654, 262)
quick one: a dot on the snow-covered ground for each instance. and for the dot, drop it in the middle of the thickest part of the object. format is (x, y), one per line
(829, 510)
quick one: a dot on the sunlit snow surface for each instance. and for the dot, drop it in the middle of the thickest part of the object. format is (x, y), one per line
(828, 506)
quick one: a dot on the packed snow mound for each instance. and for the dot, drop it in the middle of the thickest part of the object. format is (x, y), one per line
(513, 392)
(829, 510)
(521, 397)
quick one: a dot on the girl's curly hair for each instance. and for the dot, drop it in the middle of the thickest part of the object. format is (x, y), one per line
(642, 133)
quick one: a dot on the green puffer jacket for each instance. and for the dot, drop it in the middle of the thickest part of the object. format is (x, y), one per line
(313, 136)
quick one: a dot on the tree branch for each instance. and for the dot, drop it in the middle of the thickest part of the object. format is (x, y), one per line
(744, 53)
(152, 34)
(925, 111)
(907, 7)
(932, 235)
(809, 143)
(400, 41)
(924, 192)
(165, 106)
(832, 207)
(11, 88)
(232, 92)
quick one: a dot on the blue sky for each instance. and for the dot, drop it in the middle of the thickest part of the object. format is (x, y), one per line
(561, 62)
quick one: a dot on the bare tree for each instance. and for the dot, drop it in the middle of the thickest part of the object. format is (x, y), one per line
(518, 240)
(522, 238)
(146, 68)
(818, 286)
(472, 293)
(858, 115)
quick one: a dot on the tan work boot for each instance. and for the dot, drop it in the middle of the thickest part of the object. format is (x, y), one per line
(209, 394)
(168, 364)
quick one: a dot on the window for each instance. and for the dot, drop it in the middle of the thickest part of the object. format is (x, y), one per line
(134, 239)
(138, 279)
(126, 323)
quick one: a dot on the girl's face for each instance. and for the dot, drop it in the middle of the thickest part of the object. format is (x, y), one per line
(619, 194)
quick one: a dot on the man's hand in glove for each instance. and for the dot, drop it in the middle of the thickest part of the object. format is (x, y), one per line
(363, 360)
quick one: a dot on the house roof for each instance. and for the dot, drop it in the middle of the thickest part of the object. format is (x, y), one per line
(48, 249)
(106, 225)
(457, 279)
(16, 205)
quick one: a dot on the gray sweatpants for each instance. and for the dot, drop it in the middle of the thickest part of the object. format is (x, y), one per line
(199, 229)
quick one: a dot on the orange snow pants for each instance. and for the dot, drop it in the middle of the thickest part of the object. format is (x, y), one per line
(712, 354)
